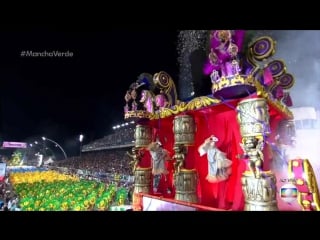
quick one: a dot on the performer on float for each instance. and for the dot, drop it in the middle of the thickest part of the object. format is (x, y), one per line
(158, 156)
(219, 166)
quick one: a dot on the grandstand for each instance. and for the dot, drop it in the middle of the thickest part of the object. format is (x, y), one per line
(105, 158)
(122, 137)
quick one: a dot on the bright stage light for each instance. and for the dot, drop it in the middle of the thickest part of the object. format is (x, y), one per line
(81, 137)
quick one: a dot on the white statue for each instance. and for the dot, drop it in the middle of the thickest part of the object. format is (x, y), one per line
(159, 156)
(219, 166)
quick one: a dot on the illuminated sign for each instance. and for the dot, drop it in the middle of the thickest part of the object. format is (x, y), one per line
(14, 145)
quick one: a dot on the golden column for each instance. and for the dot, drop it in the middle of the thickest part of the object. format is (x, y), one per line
(142, 176)
(185, 180)
(259, 187)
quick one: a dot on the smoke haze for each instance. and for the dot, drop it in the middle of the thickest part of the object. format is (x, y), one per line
(300, 49)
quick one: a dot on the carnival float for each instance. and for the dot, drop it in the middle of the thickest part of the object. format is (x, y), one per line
(219, 151)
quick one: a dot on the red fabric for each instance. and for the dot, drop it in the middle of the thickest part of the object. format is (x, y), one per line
(223, 124)
(146, 160)
(221, 121)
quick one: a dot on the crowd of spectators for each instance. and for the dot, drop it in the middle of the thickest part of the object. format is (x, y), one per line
(104, 159)
(9, 201)
(107, 164)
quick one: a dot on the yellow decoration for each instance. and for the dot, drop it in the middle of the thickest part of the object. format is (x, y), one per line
(194, 104)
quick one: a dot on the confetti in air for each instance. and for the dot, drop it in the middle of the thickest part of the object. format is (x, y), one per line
(189, 41)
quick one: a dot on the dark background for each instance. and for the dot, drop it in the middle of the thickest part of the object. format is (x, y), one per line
(62, 97)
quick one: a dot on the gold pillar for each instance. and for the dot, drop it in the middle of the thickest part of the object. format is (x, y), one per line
(142, 180)
(185, 180)
(142, 136)
(184, 130)
(260, 193)
(253, 117)
(259, 187)
(142, 184)
(186, 185)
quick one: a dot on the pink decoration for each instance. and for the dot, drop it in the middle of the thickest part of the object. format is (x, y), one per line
(147, 100)
(267, 77)
(161, 101)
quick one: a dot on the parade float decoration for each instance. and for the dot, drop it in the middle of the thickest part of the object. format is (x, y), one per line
(303, 177)
(243, 117)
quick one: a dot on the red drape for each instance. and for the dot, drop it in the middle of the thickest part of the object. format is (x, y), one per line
(220, 121)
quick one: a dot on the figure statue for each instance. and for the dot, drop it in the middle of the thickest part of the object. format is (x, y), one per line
(219, 166)
(158, 156)
(222, 60)
(136, 155)
(253, 147)
(179, 156)
(147, 100)
(127, 97)
(134, 105)
(161, 101)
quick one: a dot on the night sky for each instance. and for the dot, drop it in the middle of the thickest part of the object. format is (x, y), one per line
(61, 97)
